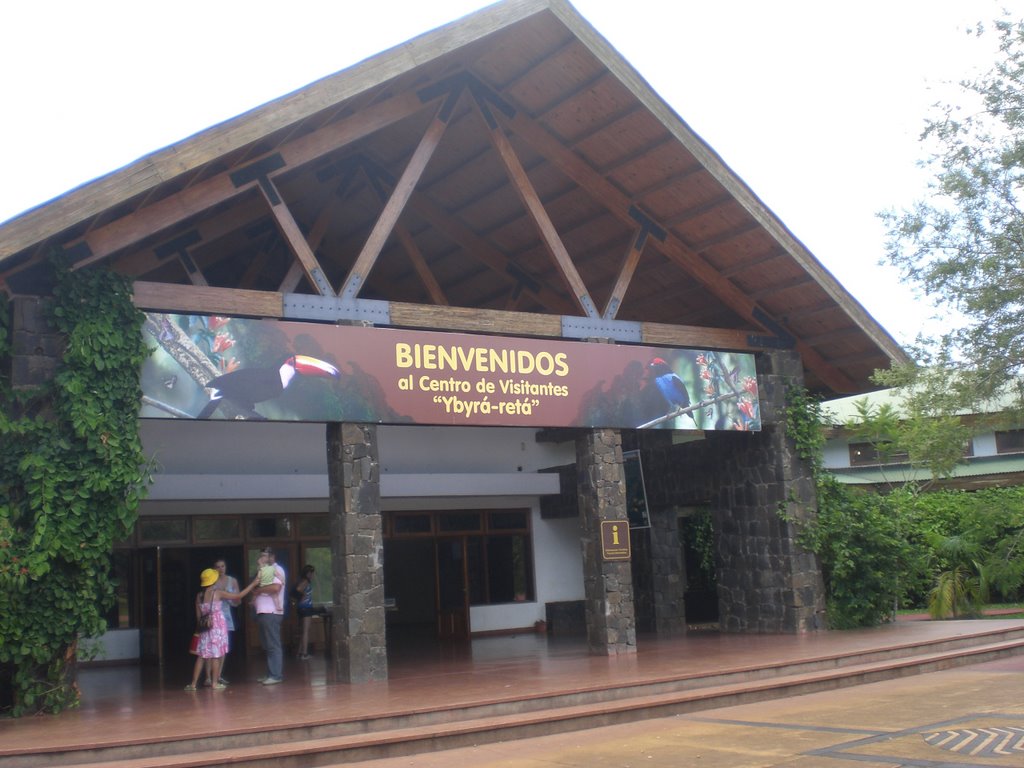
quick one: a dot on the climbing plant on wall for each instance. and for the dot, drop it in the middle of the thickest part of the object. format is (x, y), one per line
(72, 473)
(860, 538)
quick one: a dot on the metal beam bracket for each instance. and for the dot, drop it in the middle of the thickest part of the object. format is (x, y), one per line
(575, 327)
(300, 306)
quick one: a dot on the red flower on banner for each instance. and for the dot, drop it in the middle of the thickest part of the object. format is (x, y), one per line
(746, 408)
(217, 321)
(750, 385)
(222, 343)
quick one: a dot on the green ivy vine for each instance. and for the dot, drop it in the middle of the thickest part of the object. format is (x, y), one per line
(804, 427)
(72, 474)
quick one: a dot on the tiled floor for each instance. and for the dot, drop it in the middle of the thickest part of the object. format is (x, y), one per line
(136, 704)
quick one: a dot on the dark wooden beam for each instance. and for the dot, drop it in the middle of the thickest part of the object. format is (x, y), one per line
(163, 297)
(296, 241)
(549, 235)
(629, 264)
(145, 222)
(576, 168)
(400, 195)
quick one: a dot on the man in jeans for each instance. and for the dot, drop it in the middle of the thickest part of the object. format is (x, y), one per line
(269, 604)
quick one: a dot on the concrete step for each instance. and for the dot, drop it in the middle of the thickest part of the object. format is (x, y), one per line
(414, 732)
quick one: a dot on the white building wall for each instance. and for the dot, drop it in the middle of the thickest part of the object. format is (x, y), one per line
(836, 454)
(228, 467)
(985, 444)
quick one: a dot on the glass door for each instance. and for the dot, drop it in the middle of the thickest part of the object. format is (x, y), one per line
(452, 592)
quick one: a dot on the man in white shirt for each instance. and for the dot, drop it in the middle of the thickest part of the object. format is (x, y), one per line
(269, 604)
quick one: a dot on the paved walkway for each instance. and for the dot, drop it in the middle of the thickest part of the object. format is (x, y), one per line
(978, 710)
(967, 717)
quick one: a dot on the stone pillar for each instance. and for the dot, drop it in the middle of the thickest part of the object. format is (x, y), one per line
(357, 548)
(667, 577)
(36, 347)
(766, 581)
(601, 489)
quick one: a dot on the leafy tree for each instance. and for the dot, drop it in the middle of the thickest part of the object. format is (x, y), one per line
(964, 246)
(964, 243)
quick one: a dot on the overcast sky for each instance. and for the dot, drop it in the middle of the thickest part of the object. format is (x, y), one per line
(816, 105)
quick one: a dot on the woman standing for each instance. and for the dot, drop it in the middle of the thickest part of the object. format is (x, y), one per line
(213, 636)
(303, 592)
(225, 583)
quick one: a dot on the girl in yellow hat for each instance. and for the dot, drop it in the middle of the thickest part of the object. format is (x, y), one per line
(213, 631)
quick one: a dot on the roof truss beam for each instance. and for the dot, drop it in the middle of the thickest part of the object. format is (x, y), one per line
(164, 297)
(630, 262)
(291, 232)
(130, 229)
(546, 144)
(396, 203)
(534, 205)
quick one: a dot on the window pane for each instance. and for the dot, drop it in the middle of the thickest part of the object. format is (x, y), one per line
(1011, 441)
(862, 454)
(407, 524)
(512, 520)
(161, 531)
(269, 527)
(475, 571)
(451, 522)
(509, 569)
(314, 526)
(217, 529)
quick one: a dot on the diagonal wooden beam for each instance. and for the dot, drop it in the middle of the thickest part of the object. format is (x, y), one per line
(485, 252)
(618, 203)
(319, 229)
(179, 249)
(396, 203)
(295, 239)
(535, 207)
(171, 210)
(629, 264)
(419, 262)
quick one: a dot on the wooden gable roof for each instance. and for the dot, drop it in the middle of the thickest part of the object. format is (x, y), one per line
(511, 160)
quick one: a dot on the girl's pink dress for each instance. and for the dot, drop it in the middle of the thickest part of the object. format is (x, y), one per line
(214, 642)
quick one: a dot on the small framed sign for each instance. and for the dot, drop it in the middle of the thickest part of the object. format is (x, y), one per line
(615, 539)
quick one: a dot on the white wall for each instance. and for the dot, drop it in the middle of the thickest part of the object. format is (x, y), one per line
(836, 454)
(558, 572)
(113, 645)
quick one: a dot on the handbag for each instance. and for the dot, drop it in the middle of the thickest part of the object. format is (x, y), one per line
(193, 647)
(205, 622)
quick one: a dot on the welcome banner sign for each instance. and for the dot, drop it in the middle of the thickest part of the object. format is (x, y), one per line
(211, 367)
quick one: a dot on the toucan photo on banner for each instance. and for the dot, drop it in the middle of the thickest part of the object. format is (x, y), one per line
(215, 367)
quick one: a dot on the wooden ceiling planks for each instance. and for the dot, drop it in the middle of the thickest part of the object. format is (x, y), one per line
(585, 143)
